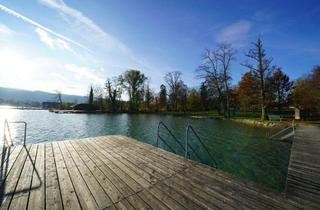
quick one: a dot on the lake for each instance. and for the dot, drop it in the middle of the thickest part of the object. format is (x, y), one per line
(237, 148)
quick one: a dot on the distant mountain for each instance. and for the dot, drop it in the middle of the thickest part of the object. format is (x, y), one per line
(7, 94)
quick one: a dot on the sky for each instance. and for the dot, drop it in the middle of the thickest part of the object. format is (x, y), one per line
(68, 45)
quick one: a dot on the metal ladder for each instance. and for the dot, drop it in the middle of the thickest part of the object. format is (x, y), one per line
(7, 125)
(187, 146)
(10, 144)
(277, 135)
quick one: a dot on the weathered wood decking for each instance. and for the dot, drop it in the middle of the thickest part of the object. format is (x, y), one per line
(303, 182)
(116, 172)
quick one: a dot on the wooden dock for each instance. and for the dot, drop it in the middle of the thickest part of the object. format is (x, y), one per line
(117, 172)
(303, 182)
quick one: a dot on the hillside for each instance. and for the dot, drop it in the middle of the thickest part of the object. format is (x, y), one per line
(10, 94)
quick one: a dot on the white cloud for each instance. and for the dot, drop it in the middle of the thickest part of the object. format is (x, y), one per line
(236, 33)
(38, 25)
(52, 41)
(86, 25)
(5, 30)
(85, 73)
(89, 30)
(21, 70)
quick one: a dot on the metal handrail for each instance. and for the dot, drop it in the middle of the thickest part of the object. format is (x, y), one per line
(6, 124)
(187, 145)
(293, 127)
(173, 136)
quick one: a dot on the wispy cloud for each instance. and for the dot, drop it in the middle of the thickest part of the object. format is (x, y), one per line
(91, 31)
(85, 73)
(46, 73)
(5, 30)
(53, 42)
(38, 25)
(236, 33)
(86, 25)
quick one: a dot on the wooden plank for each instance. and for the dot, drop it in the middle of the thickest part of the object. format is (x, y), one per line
(21, 194)
(146, 154)
(240, 197)
(179, 163)
(198, 196)
(53, 192)
(123, 167)
(133, 154)
(154, 163)
(136, 187)
(68, 194)
(9, 185)
(303, 185)
(165, 198)
(99, 194)
(137, 202)
(151, 200)
(124, 205)
(244, 188)
(85, 196)
(112, 176)
(8, 158)
(104, 181)
(4, 154)
(112, 207)
(219, 192)
(37, 192)
(150, 173)
(183, 200)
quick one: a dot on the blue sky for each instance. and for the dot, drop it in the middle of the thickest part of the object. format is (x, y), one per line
(70, 44)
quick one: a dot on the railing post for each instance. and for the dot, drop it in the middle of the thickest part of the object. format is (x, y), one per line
(293, 126)
(4, 132)
(187, 142)
(25, 134)
(157, 144)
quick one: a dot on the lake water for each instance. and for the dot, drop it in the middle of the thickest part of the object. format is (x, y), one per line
(238, 149)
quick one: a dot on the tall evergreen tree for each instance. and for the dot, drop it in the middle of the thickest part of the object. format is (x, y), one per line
(204, 96)
(163, 97)
(91, 96)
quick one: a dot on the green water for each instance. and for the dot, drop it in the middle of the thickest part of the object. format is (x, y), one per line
(238, 149)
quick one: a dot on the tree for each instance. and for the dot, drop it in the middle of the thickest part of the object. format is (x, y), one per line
(113, 87)
(215, 69)
(163, 97)
(306, 93)
(148, 97)
(193, 101)
(204, 96)
(247, 92)
(225, 54)
(90, 100)
(182, 96)
(59, 98)
(98, 97)
(281, 86)
(173, 80)
(133, 81)
(209, 71)
(261, 69)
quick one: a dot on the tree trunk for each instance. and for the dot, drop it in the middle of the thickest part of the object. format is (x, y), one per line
(263, 108)
(228, 103)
